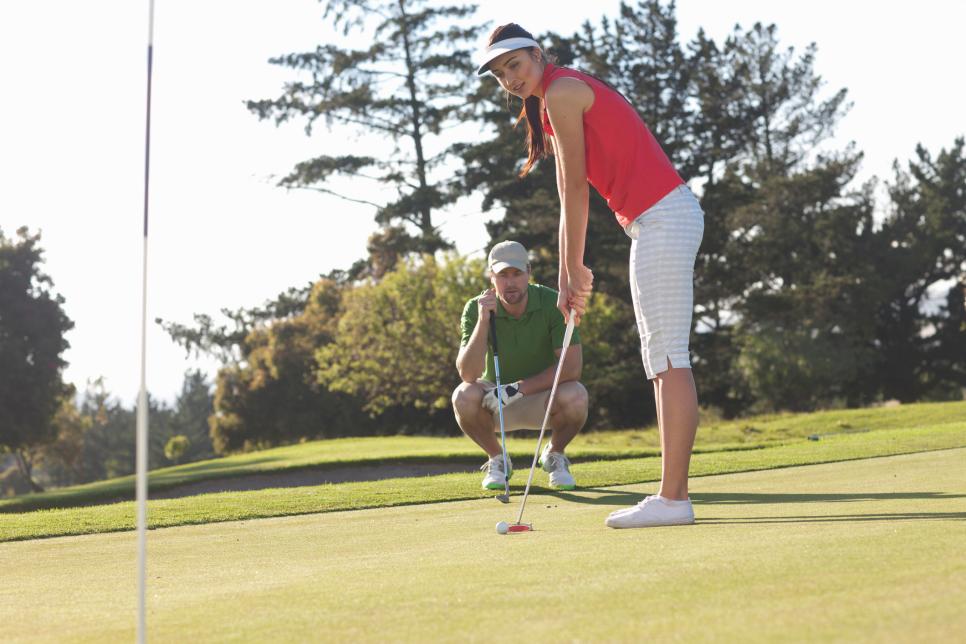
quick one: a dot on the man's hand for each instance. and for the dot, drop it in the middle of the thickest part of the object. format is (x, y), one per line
(485, 305)
(509, 394)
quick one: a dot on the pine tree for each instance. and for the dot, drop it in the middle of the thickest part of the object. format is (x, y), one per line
(923, 241)
(407, 86)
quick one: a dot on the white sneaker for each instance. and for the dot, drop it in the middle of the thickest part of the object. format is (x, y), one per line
(653, 511)
(495, 476)
(559, 467)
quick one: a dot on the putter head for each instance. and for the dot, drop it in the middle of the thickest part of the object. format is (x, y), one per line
(520, 527)
(505, 497)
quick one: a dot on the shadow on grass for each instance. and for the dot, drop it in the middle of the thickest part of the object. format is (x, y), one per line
(739, 498)
(609, 496)
(838, 518)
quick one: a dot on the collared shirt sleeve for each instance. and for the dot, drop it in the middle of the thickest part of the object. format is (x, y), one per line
(468, 321)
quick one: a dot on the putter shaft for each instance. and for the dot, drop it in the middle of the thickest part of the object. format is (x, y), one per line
(505, 497)
(553, 391)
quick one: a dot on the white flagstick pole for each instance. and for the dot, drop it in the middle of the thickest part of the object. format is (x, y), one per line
(142, 415)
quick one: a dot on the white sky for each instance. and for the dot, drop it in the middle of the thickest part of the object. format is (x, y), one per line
(72, 76)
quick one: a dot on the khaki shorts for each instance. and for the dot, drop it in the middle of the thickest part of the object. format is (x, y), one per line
(526, 413)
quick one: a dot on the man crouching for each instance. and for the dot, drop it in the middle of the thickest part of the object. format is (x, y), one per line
(530, 331)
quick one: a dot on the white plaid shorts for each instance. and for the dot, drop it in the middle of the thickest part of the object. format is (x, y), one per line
(665, 244)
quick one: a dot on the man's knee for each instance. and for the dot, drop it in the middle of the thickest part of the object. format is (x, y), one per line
(572, 399)
(467, 398)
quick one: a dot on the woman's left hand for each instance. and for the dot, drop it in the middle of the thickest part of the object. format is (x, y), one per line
(580, 285)
(580, 281)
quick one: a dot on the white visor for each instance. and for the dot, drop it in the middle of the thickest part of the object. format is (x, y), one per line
(501, 47)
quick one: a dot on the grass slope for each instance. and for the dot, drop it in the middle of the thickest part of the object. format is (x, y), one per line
(232, 506)
(863, 551)
(748, 433)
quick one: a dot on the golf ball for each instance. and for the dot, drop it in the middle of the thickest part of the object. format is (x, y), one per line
(502, 527)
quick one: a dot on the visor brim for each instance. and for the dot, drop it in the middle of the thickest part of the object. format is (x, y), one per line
(498, 49)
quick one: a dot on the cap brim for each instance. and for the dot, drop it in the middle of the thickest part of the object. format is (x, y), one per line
(499, 266)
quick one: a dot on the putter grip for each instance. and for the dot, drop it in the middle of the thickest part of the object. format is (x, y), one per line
(493, 332)
(569, 332)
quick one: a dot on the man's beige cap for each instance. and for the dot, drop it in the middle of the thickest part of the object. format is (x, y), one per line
(507, 254)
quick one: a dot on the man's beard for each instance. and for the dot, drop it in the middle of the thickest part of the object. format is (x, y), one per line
(513, 297)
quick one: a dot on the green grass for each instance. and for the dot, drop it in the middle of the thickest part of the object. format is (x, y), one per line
(864, 551)
(750, 433)
(233, 506)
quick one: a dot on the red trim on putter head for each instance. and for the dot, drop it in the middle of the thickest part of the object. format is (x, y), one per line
(520, 527)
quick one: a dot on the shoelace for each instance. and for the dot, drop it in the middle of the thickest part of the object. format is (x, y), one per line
(492, 464)
(556, 461)
(646, 499)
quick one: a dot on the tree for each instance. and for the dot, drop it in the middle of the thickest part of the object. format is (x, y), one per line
(397, 341)
(719, 138)
(95, 436)
(923, 241)
(226, 342)
(189, 417)
(32, 329)
(61, 462)
(266, 392)
(271, 395)
(175, 448)
(407, 86)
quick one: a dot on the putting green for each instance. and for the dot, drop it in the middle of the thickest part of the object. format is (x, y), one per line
(868, 550)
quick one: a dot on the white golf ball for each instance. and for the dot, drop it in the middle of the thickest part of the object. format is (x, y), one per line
(502, 527)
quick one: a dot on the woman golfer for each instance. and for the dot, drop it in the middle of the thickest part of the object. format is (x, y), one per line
(598, 138)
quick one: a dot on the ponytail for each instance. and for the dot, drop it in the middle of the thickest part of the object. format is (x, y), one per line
(536, 141)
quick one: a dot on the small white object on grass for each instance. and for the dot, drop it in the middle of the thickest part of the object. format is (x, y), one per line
(502, 527)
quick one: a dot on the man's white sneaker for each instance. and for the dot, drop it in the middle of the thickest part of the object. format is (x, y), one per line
(653, 511)
(495, 476)
(559, 467)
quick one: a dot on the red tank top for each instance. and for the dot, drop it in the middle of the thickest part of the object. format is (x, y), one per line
(625, 163)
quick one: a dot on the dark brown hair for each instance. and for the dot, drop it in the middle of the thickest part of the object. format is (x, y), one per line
(536, 142)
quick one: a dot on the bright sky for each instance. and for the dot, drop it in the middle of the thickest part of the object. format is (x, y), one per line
(222, 235)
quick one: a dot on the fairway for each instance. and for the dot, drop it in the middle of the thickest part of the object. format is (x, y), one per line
(860, 550)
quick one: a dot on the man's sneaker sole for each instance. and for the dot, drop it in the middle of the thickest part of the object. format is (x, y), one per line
(496, 485)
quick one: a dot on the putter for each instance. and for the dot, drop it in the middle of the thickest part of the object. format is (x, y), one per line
(505, 497)
(519, 526)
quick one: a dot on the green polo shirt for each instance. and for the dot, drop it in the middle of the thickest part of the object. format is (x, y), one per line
(527, 344)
